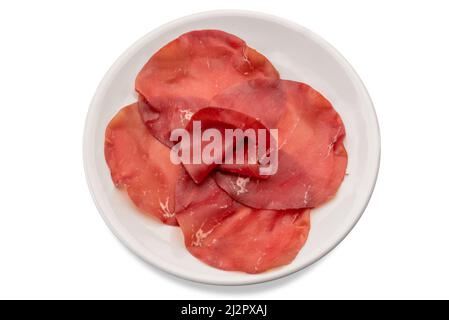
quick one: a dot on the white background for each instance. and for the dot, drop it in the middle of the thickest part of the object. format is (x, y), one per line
(54, 244)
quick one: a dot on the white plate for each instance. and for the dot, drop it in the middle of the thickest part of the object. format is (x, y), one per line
(299, 55)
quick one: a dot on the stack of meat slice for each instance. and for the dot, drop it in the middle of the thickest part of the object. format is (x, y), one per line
(231, 217)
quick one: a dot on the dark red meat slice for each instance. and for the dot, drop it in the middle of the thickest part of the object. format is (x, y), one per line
(229, 236)
(312, 158)
(222, 119)
(186, 73)
(141, 165)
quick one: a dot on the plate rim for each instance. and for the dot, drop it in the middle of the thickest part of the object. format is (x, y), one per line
(137, 248)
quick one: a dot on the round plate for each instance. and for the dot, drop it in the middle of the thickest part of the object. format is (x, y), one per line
(299, 55)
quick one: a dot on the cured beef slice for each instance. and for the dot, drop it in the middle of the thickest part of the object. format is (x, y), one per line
(221, 119)
(312, 158)
(227, 235)
(185, 74)
(141, 165)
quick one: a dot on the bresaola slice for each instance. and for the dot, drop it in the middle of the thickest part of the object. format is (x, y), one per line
(141, 165)
(186, 73)
(220, 120)
(227, 235)
(312, 158)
